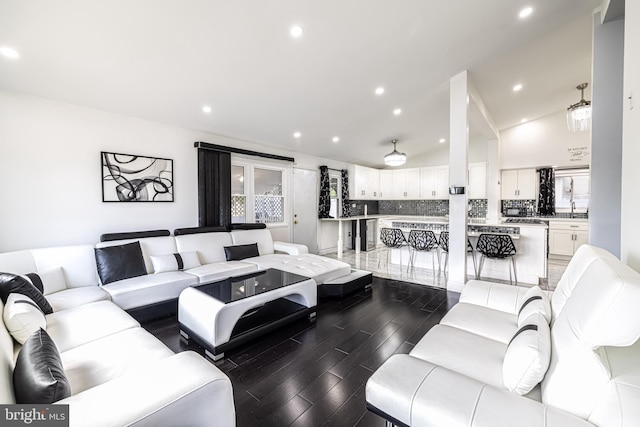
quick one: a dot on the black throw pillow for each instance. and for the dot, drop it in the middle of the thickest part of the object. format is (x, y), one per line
(39, 377)
(120, 262)
(238, 252)
(10, 282)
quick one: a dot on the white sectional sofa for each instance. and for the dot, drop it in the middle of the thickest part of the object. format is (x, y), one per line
(471, 368)
(117, 372)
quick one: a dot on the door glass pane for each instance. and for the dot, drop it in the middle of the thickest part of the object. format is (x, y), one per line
(238, 198)
(334, 196)
(269, 202)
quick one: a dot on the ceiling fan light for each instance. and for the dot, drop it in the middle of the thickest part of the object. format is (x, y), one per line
(579, 114)
(395, 158)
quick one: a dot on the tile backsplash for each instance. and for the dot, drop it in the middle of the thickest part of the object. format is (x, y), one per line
(478, 207)
(528, 206)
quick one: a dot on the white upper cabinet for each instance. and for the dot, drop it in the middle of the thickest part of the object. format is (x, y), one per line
(386, 184)
(477, 188)
(434, 182)
(406, 184)
(363, 183)
(519, 184)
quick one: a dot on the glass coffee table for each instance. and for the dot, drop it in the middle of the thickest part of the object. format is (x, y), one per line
(226, 313)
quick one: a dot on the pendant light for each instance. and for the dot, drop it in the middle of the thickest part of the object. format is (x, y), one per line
(395, 158)
(579, 114)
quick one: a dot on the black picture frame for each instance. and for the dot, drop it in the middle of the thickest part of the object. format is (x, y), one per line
(135, 178)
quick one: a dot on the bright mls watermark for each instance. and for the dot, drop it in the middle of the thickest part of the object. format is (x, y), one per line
(34, 415)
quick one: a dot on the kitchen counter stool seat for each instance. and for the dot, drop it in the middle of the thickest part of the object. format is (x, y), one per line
(444, 246)
(392, 238)
(422, 241)
(497, 246)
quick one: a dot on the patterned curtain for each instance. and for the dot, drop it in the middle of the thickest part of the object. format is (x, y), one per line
(547, 198)
(346, 204)
(324, 204)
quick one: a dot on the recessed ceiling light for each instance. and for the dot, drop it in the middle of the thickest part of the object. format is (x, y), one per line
(296, 31)
(206, 109)
(442, 141)
(379, 90)
(9, 52)
(397, 112)
(336, 139)
(525, 120)
(297, 135)
(525, 12)
(517, 88)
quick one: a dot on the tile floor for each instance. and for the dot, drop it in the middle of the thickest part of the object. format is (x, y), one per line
(375, 261)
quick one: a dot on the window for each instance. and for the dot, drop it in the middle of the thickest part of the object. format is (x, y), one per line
(334, 195)
(269, 201)
(258, 192)
(572, 188)
(238, 198)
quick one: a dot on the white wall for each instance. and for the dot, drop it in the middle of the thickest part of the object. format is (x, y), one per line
(50, 172)
(630, 245)
(544, 142)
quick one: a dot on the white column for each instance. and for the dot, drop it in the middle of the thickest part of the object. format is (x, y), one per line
(458, 176)
(493, 180)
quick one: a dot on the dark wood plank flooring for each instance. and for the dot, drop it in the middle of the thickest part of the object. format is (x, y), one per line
(314, 373)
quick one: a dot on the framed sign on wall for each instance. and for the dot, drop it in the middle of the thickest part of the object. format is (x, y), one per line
(132, 178)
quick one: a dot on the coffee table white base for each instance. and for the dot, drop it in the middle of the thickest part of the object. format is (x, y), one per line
(210, 322)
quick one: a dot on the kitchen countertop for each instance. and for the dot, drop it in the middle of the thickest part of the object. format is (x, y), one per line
(445, 220)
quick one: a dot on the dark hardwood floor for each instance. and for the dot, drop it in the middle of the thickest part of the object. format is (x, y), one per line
(314, 373)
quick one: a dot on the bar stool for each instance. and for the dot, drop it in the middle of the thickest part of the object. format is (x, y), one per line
(444, 245)
(422, 241)
(498, 246)
(392, 238)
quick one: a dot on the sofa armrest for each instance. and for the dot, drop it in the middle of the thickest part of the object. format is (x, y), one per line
(420, 394)
(168, 392)
(497, 296)
(290, 248)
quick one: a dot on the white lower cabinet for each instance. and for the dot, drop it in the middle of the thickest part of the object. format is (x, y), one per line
(566, 237)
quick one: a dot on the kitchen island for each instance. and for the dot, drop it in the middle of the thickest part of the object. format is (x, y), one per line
(530, 241)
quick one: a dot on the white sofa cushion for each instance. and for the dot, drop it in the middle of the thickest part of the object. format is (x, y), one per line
(175, 262)
(149, 289)
(493, 324)
(74, 297)
(497, 296)
(535, 300)
(78, 263)
(222, 270)
(451, 347)
(580, 261)
(319, 268)
(528, 354)
(122, 352)
(79, 325)
(210, 246)
(22, 317)
(51, 280)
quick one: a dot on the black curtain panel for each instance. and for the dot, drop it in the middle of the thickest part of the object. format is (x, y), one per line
(546, 197)
(346, 204)
(324, 204)
(214, 188)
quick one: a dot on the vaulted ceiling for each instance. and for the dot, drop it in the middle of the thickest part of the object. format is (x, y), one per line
(163, 60)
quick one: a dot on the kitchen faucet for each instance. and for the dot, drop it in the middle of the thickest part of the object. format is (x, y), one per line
(573, 207)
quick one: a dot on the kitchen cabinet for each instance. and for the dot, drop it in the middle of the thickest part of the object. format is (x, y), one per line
(406, 184)
(434, 182)
(364, 183)
(519, 184)
(386, 184)
(565, 237)
(477, 188)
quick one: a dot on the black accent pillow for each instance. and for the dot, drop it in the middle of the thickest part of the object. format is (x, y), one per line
(10, 282)
(120, 262)
(39, 377)
(239, 252)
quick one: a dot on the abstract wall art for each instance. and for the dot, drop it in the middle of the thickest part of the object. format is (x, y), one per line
(130, 178)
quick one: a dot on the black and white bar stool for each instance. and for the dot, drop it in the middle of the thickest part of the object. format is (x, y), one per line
(392, 238)
(497, 246)
(422, 241)
(444, 246)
